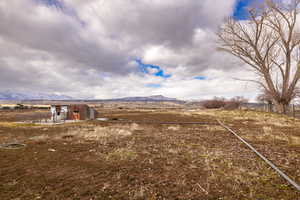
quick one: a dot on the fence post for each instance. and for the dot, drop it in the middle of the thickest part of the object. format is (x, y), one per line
(294, 113)
(271, 108)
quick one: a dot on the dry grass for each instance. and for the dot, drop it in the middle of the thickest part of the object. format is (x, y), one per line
(40, 138)
(214, 128)
(120, 154)
(98, 132)
(174, 128)
(261, 118)
(272, 135)
(152, 161)
(294, 140)
(269, 126)
(16, 125)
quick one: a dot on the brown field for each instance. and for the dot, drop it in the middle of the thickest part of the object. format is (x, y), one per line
(116, 160)
(21, 115)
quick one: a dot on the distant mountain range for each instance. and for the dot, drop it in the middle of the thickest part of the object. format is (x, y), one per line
(149, 98)
(17, 96)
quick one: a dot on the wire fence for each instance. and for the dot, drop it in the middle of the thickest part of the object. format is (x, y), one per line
(293, 110)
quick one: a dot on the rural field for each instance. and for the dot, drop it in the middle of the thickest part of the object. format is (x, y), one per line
(133, 156)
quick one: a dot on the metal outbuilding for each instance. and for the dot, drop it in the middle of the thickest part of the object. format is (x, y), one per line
(72, 112)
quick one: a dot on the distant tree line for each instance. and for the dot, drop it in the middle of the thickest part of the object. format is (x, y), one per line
(221, 102)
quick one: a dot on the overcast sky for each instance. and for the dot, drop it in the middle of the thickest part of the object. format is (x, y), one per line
(118, 48)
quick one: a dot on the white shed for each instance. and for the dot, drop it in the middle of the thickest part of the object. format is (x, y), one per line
(59, 113)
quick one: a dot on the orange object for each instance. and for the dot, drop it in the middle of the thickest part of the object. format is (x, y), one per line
(76, 116)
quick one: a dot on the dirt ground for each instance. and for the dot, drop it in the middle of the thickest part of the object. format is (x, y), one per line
(22, 115)
(142, 160)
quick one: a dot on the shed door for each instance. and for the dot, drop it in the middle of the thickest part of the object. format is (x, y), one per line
(58, 110)
(76, 115)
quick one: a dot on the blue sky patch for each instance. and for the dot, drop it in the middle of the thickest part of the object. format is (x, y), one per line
(153, 85)
(200, 77)
(59, 5)
(241, 12)
(152, 69)
(55, 3)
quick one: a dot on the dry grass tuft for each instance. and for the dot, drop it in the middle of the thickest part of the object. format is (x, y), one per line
(39, 138)
(294, 140)
(174, 128)
(275, 121)
(121, 154)
(270, 134)
(212, 112)
(214, 128)
(267, 130)
(97, 132)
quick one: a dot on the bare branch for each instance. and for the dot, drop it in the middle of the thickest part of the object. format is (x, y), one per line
(267, 43)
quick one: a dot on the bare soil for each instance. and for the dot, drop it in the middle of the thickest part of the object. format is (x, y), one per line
(23, 115)
(116, 160)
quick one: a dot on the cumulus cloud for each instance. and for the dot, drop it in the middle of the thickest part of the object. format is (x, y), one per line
(88, 48)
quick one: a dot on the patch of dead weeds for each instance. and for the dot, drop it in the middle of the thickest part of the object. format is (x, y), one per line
(120, 154)
(98, 132)
(174, 128)
(39, 138)
(214, 128)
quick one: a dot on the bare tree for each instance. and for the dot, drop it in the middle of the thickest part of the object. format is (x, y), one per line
(266, 98)
(268, 42)
(235, 103)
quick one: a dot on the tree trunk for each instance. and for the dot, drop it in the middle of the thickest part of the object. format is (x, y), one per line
(270, 107)
(282, 107)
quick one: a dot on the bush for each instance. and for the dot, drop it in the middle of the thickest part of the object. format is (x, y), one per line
(214, 104)
(231, 104)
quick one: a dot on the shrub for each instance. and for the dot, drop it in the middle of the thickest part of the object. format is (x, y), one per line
(231, 104)
(235, 103)
(214, 104)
